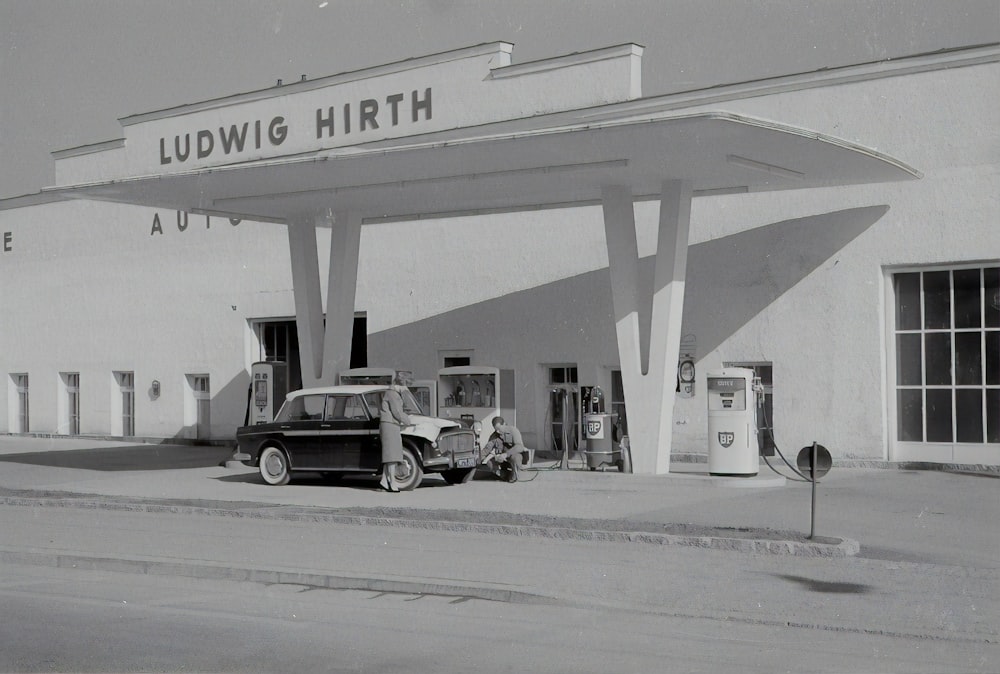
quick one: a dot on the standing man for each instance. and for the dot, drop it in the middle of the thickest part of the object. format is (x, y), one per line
(391, 420)
(505, 448)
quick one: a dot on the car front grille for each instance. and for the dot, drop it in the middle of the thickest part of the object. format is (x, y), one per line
(459, 441)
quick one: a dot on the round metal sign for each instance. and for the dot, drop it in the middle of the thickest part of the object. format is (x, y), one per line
(823, 460)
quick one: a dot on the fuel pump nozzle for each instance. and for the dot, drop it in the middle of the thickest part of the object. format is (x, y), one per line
(758, 391)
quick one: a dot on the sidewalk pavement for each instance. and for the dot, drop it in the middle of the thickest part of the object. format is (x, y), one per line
(872, 509)
(926, 516)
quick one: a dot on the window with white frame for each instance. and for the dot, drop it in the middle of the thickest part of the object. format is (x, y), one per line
(71, 385)
(126, 390)
(946, 345)
(21, 416)
(201, 394)
(455, 357)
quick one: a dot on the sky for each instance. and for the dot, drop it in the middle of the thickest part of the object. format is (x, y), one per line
(69, 69)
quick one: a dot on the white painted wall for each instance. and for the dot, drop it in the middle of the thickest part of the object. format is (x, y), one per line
(88, 288)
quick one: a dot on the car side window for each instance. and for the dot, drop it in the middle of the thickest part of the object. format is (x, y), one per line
(345, 408)
(303, 408)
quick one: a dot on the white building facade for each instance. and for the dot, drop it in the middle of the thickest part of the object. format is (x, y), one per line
(871, 312)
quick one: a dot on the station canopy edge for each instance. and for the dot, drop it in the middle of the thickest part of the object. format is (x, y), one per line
(513, 167)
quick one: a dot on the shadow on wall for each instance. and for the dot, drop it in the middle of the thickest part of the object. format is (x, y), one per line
(228, 411)
(572, 317)
(754, 268)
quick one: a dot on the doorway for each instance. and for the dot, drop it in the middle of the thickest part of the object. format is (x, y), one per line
(278, 341)
(564, 406)
(763, 370)
(200, 392)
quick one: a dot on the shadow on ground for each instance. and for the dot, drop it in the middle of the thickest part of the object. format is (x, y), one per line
(361, 481)
(133, 457)
(814, 585)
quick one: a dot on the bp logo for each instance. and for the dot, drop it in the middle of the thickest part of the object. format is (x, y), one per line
(594, 427)
(726, 438)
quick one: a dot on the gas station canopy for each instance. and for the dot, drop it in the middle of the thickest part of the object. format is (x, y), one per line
(459, 133)
(553, 161)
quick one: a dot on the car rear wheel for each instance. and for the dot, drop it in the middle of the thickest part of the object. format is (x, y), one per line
(274, 466)
(458, 475)
(409, 474)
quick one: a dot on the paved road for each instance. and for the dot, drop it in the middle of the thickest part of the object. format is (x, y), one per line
(926, 579)
(66, 620)
(921, 605)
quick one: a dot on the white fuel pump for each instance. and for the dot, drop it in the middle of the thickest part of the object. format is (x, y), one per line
(732, 423)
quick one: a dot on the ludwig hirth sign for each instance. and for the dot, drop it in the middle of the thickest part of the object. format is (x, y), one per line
(464, 88)
(366, 116)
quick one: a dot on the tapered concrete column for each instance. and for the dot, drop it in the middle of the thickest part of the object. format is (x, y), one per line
(648, 317)
(308, 301)
(345, 248)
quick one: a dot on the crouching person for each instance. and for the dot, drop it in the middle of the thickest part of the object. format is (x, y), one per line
(504, 450)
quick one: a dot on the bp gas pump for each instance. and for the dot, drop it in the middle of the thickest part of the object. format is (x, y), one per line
(732, 422)
(269, 385)
(599, 429)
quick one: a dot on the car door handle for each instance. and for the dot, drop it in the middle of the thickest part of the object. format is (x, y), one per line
(283, 427)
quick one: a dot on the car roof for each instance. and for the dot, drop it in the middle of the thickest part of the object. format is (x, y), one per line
(350, 389)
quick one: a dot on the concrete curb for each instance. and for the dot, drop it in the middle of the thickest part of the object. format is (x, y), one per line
(218, 571)
(834, 548)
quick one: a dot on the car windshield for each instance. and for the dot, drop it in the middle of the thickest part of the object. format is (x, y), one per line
(410, 404)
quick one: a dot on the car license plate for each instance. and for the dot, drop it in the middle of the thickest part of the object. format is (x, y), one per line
(468, 462)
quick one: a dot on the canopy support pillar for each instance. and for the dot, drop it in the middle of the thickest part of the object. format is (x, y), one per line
(308, 301)
(648, 317)
(342, 286)
(325, 351)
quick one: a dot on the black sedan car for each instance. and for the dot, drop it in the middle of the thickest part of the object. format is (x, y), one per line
(334, 431)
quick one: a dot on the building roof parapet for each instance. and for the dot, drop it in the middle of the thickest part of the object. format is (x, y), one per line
(82, 150)
(893, 67)
(576, 58)
(502, 50)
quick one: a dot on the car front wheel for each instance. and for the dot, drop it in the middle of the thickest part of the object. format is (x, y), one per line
(409, 474)
(274, 466)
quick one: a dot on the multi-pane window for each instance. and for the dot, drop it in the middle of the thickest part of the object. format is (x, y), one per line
(21, 386)
(947, 341)
(563, 375)
(199, 383)
(126, 386)
(274, 341)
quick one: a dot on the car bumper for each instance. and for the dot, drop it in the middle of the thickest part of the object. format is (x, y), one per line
(465, 460)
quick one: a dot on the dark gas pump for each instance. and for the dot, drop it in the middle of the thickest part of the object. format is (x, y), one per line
(600, 430)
